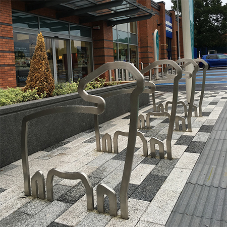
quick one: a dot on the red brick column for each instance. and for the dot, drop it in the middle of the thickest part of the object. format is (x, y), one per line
(7, 57)
(162, 31)
(174, 36)
(102, 37)
(145, 37)
(181, 39)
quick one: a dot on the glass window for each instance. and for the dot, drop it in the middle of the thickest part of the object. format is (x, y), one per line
(132, 38)
(54, 26)
(133, 54)
(133, 27)
(122, 37)
(80, 31)
(24, 20)
(123, 52)
(115, 35)
(81, 59)
(61, 60)
(24, 46)
(49, 51)
(115, 51)
(123, 27)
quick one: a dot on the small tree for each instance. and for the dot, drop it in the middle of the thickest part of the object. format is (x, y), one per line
(40, 76)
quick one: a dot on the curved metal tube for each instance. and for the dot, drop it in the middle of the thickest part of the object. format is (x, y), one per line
(134, 103)
(141, 121)
(72, 176)
(196, 68)
(102, 190)
(203, 84)
(107, 138)
(38, 185)
(154, 141)
(119, 133)
(176, 79)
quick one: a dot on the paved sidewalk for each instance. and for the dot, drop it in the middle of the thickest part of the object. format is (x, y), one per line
(155, 184)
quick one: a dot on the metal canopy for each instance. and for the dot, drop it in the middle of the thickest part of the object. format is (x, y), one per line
(114, 12)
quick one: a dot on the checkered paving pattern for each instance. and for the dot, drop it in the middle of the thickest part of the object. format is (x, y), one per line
(155, 184)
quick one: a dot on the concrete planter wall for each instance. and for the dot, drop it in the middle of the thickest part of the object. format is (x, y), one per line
(49, 130)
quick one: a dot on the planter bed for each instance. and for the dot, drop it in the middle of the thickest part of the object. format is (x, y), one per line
(52, 129)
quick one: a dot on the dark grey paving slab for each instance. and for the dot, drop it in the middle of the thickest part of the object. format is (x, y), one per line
(34, 206)
(165, 121)
(121, 155)
(206, 128)
(206, 114)
(164, 167)
(213, 103)
(77, 191)
(16, 219)
(195, 147)
(131, 189)
(152, 133)
(94, 219)
(184, 140)
(149, 187)
(150, 161)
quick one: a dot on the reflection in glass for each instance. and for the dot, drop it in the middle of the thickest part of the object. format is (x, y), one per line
(123, 27)
(123, 52)
(115, 51)
(49, 51)
(133, 38)
(54, 26)
(132, 27)
(24, 20)
(114, 35)
(24, 46)
(61, 59)
(133, 55)
(81, 59)
(123, 56)
(77, 30)
(122, 37)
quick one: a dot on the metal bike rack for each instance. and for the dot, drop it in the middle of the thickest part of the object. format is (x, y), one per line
(170, 78)
(38, 178)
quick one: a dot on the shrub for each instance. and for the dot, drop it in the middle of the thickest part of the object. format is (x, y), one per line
(16, 95)
(40, 77)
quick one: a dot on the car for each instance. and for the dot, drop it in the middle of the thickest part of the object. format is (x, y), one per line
(214, 60)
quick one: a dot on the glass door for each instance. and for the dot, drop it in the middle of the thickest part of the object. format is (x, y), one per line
(81, 59)
(61, 60)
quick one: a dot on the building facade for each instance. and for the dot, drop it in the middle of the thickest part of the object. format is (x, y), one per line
(80, 36)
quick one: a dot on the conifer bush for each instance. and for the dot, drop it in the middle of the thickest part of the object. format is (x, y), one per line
(40, 77)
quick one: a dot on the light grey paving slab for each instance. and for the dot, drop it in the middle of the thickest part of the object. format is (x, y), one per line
(34, 206)
(12, 205)
(136, 209)
(47, 215)
(160, 207)
(140, 172)
(94, 219)
(187, 161)
(201, 136)
(76, 213)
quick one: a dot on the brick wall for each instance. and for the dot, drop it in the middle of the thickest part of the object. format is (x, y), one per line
(102, 45)
(7, 57)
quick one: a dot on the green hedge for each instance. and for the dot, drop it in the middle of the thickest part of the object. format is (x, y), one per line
(17, 95)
